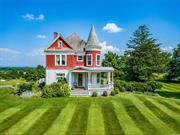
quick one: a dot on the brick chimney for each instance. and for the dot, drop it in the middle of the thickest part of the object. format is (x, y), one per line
(55, 34)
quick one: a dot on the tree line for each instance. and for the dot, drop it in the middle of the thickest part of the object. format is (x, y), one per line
(144, 60)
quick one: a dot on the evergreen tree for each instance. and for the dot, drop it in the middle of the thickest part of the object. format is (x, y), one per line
(174, 65)
(144, 56)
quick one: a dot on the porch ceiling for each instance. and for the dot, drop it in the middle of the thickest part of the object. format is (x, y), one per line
(92, 69)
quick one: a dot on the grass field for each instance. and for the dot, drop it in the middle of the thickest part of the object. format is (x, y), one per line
(124, 114)
(12, 82)
(170, 90)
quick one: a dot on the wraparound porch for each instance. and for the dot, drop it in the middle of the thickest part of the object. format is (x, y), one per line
(90, 80)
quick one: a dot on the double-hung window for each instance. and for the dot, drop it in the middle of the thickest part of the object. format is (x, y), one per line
(60, 60)
(89, 59)
(98, 60)
(63, 60)
(59, 75)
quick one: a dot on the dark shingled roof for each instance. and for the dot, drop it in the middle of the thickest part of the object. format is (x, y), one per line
(76, 42)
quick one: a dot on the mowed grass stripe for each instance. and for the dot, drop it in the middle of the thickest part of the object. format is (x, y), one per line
(171, 105)
(61, 124)
(142, 123)
(125, 120)
(111, 122)
(165, 109)
(162, 115)
(153, 119)
(95, 121)
(13, 119)
(8, 112)
(173, 87)
(25, 123)
(44, 122)
(78, 123)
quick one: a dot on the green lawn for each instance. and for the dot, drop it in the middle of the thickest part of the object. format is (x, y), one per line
(124, 114)
(12, 82)
(170, 90)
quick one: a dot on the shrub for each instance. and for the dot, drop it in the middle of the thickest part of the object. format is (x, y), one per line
(105, 94)
(121, 85)
(62, 80)
(116, 90)
(94, 94)
(113, 93)
(152, 86)
(60, 89)
(25, 87)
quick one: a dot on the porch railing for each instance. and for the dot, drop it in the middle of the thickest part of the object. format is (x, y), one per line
(101, 87)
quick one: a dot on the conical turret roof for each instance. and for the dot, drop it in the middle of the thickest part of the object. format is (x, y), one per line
(93, 42)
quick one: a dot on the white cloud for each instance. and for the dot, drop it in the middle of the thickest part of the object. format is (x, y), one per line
(106, 48)
(7, 54)
(7, 50)
(33, 17)
(41, 36)
(112, 28)
(167, 48)
(37, 52)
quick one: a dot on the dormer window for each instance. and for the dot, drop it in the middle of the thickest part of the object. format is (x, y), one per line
(60, 44)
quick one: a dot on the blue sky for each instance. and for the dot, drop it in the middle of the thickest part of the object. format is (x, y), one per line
(26, 26)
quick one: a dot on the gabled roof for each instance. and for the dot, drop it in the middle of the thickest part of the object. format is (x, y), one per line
(76, 42)
(93, 42)
(59, 36)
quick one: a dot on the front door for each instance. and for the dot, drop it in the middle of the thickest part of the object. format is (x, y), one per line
(80, 80)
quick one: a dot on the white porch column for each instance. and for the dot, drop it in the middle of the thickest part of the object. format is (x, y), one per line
(89, 80)
(109, 79)
(70, 80)
(112, 83)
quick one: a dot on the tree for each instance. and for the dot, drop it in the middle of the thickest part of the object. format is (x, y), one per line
(174, 65)
(144, 56)
(113, 60)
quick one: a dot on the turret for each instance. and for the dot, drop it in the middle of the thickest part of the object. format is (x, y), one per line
(93, 49)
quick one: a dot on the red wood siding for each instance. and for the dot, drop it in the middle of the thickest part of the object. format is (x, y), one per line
(94, 52)
(55, 45)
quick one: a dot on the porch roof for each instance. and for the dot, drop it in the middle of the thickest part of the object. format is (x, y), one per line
(92, 69)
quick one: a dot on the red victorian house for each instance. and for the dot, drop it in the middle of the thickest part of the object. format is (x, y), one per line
(79, 62)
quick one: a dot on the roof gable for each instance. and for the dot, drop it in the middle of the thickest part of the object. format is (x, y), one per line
(54, 44)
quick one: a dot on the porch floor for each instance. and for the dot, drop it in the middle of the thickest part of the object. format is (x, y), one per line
(79, 92)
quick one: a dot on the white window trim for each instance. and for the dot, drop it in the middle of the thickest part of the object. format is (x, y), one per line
(82, 58)
(87, 60)
(61, 76)
(59, 44)
(60, 55)
(99, 60)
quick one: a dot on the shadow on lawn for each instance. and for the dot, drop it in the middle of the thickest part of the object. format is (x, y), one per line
(169, 94)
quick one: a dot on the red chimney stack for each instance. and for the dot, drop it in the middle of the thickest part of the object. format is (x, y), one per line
(55, 34)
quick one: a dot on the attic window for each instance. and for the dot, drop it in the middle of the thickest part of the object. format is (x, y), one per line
(60, 44)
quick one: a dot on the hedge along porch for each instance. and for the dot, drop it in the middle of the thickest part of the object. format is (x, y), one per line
(89, 79)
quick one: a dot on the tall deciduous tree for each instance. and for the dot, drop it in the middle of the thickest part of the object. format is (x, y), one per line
(144, 56)
(174, 65)
(114, 60)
